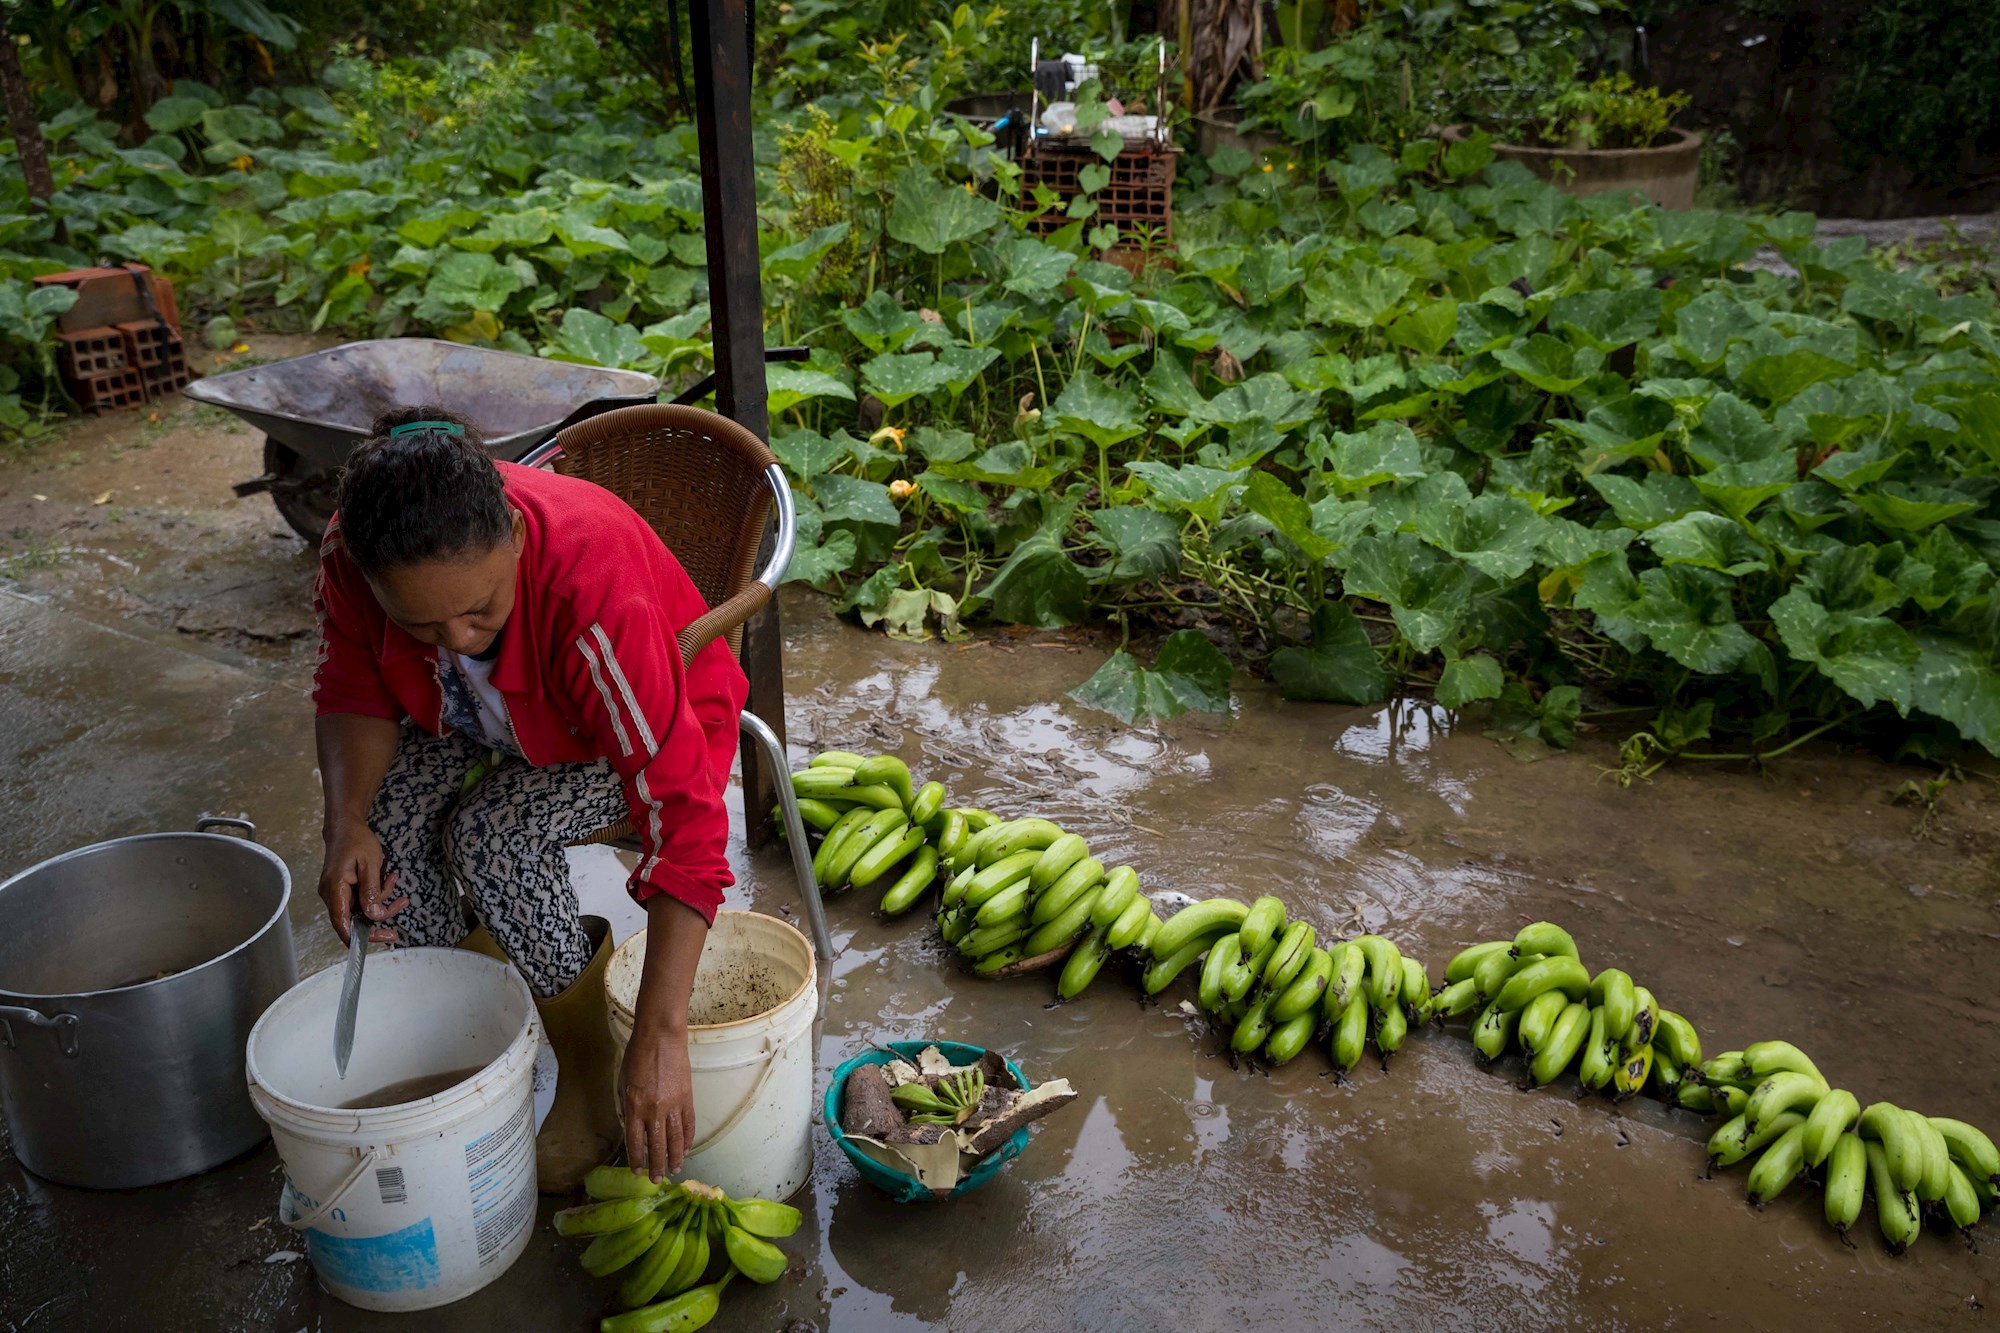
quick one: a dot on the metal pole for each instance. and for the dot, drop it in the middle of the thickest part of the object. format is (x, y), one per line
(720, 29)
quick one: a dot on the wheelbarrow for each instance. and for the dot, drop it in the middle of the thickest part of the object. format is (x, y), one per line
(314, 409)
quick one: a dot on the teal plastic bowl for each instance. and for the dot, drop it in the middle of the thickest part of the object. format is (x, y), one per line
(900, 1185)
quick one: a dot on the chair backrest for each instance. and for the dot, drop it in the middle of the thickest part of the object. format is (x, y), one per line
(698, 479)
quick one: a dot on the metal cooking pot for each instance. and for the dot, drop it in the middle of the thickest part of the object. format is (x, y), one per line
(131, 972)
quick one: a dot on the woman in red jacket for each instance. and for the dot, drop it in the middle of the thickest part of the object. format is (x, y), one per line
(483, 618)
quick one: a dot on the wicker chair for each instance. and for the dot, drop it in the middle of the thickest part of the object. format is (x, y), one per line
(707, 486)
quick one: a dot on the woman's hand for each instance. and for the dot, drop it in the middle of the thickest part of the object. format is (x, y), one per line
(658, 1092)
(351, 875)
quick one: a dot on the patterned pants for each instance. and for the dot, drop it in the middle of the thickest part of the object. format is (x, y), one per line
(501, 844)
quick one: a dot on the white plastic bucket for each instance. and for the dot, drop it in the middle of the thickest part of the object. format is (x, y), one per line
(415, 1205)
(749, 1047)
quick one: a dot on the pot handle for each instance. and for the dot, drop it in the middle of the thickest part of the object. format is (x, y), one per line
(243, 826)
(64, 1024)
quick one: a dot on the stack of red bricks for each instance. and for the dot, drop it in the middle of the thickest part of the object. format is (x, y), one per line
(120, 344)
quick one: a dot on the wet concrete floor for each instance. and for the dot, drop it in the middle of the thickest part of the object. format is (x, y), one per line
(151, 670)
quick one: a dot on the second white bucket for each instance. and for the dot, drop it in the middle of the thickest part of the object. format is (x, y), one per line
(749, 1048)
(412, 1188)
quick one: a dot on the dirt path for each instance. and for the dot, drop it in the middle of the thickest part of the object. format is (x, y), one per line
(1182, 1192)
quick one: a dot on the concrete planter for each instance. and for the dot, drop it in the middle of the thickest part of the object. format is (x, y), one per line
(1666, 174)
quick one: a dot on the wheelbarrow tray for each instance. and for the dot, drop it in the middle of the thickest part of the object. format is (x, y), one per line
(322, 404)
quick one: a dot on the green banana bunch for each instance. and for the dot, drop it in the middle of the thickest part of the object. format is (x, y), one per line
(663, 1237)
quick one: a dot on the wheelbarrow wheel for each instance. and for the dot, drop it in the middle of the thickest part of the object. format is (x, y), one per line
(305, 498)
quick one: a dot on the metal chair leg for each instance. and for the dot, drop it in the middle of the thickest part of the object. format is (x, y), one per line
(795, 833)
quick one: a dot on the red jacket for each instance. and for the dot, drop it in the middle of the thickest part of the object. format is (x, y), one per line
(588, 666)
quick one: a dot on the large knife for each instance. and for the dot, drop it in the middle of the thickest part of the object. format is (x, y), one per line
(350, 992)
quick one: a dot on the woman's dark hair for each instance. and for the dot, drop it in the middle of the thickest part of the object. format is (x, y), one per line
(421, 496)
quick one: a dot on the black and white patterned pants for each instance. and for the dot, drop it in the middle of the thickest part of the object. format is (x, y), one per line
(501, 844)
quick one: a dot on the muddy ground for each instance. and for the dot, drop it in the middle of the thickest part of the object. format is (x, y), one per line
(153, 663)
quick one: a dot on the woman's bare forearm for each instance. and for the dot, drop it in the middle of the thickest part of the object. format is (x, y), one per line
(354, 756)
(675, 933)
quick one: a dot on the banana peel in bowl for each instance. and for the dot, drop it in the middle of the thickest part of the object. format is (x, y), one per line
(935, 1121)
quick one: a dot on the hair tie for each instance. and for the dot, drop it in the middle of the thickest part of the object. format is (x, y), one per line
(448, 427)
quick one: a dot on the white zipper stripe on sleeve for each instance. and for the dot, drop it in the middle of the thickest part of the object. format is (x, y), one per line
(610, 703)
(625, 688)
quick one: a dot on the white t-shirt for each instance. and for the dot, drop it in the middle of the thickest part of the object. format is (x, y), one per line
(471, 704)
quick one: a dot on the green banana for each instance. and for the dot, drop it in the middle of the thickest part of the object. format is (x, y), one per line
(1599, 1055)
(1114, 899)
(1220, 960)
(819, 815)
(954, 892)
(1645, 1019)
(609, 1253)
(954, 924)
(1017, 835)
(982, 941)
(1008, 904)
(1493, 1030)
(1786, 1090)
(1302, 997)
(1054, 934)
(913, 884)
(1538, 1019)
(690, 1310)
(1494, 970)
(927, 804)
(1566, 1037)
(1895, 1211)
(1558, 972)
(1160, 973)
(1002, 874)
(650, 1274)
(1695, 1096)
(1970, 1148)
(1730, 1100)
(1262, 924)
(1197, 921)
(1462, 963)
(1384, 979)
(977, 819)
(1937, 1160)
(998, 960)
(1779, 1165)
(1056, 859)
(1677, 1037)
(1612, 991)
(1736, 1140)
(953, 837)
(1255, 1027)
(1830, 1117)
(829, 846)
(1062, 895)
(1632, 1070)
(763, 1217)
(1143, 946)
(1544, 937)
(1416, 993)
(879, 796)
(620, 1182)
(877, 860)
(1455, 1000)
(1125, 930)
(1241, 973)
(882, 824)
(1887, 1124)
(837, 759)
(1350, 1035)
(1727, 1067)
(1295, 946)
(1961, 1200)
(1084, 962)
(1349, 967)
(1390, 1028)
(1765, 1058)
(601, 1219)
(886, 770)
(1666, 1072)
(821, 783)
(754, 1257)
(1290, 1037)
(1846, 1181)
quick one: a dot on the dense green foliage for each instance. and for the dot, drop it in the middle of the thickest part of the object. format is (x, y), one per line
(1376, 418)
